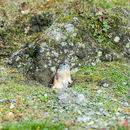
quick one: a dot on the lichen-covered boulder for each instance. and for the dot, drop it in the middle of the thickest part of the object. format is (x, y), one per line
(72, 41)
(62, 44)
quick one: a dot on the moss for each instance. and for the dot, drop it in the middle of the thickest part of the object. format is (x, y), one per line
(66, 18)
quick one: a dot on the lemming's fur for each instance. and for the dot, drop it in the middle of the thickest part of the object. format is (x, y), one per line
(63, 77)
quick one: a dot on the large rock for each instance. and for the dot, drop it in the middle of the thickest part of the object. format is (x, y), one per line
(62, 44)
(71, 41)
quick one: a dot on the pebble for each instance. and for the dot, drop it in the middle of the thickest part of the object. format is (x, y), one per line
(116, 39)
(11, 106)
(99, 53)
(14, 100)
(91, 113)
(126, 104)
(80, 99)
(83, 119)
(99, 91)
(105, 85)
(106, 114)
(93, 64)
(69, 28)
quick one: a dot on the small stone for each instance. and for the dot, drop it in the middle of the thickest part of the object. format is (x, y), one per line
(106, 114)
(45, 66)
(14, 100)
(93, 64)
(99, 91)
(63, 43)
(101, 109)
(80, 99)
(83, 119)
(11, 106)
(100, 53)
(115, 100)
(89, 80)
(125, 83)
(128, 45)
(45, 95)
(99, 13)
(35, 107)
(3, 100)
(63, 96)
(105, 85)
(117, 113)
(119, 110)
(69, 28)
(116, 39)
(66, 51)
(91, 113)
(75, 19)
(126, 104)
(98, 60)
(90, 122)
(53, 69)
(100, 104)
(43, 44)
(74, 34)
(101, 82)
(98, 113)
(25, 12)
(58, 35)
(86, 73)
(79, 112)
(74, 70)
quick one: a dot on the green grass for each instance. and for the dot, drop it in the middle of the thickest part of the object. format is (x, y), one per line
(111, 3)
(34, 100)
(14, 85)
(34, 126)
(114, 73)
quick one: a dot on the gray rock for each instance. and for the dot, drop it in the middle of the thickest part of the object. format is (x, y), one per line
(126, 104)
(69, 28)
(57, 35)
(83, 119)
(4, 100)
(71, 42)
(12, 106)
(91, 113)
(81, 99)
(99, 91)
(106, 114)
(116, 39)
(14, 100)
(105, 85)
(63, 96)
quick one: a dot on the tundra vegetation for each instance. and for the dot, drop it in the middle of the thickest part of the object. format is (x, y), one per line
(95, 36)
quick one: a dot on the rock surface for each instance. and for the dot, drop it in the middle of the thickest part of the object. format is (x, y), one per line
(70, 42)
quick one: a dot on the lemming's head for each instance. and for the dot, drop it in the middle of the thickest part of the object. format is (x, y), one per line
(65, 65)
